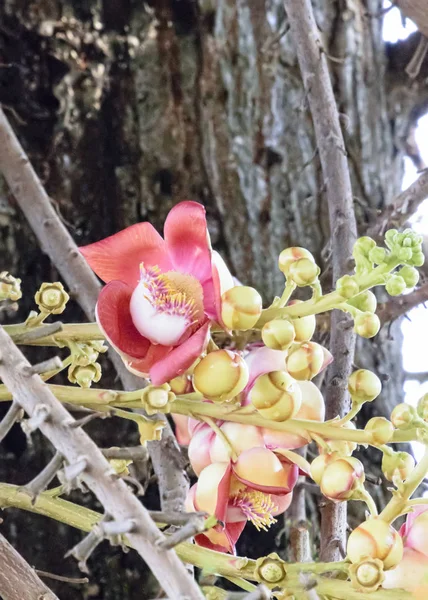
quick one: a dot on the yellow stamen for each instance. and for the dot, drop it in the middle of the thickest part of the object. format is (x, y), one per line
(257, 507)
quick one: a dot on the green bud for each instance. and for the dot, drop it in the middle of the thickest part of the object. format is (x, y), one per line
(347, 286)
(366, 301)
(364, 386)
(410, 276)
(365, 244)
(423, 407)
(417, 259)
(303, 272)
(395, 285)
(404, 254)
(390, 237)
(397, 464)
(377, 255)
(366, 324)
(403, 416)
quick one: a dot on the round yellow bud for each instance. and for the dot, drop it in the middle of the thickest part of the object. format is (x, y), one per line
(220, 376)
(304, 327)
(303, 272)
(403, 416)
(306, 361)
(375, 539)
(270, 570)
(366, 324)
(341, 478)
(423, 407)
(278, 334)
(181, 384)
(366, 301)
(364, 386)
(319, 464)
(276, 395)
(291, 255)
(52, 298)
(367, 575)
(241, 307)
(397, 465)
(347, 286)
(380, 429)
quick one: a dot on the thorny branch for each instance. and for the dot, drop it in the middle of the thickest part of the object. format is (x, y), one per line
(84, 287)
(332, 154)
(86, 460)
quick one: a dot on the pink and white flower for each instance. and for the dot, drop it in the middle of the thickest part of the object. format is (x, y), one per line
(162, 293)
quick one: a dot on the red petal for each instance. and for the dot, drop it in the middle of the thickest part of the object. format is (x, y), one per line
(182, 429)
(119, 256)
(187, 241)
(204, 542)
(115, 320)
(180, 358)
(142, 366)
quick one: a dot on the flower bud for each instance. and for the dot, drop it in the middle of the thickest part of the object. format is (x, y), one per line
(304, 327)
(422, 407)
(367, 575)
(410, 276)
(347, 286)
(343, 447)
(364, 386)
(417, 259)
(319, 465)
(375, 539)
(366, 301)
(291, 255)
(276, 395)
(366, 324)
(157, 399)
(241, 307)
(403, 416)
(341, 478)
(306, 361)
(278, 334)
(377, 255)
(380, 429)
(395, 285)
(270, 570)
(303, 272)
(181, 385)
(10, 287)
(220, 376)
(52, 298)
(397, 465)
(84, 375)
(365, 244)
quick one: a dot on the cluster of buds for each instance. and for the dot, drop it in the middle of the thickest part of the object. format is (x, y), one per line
(84, 370)
(10, 287)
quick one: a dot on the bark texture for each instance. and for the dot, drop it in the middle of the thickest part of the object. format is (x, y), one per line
(127, 107)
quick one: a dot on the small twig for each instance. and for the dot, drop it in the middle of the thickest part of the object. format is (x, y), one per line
(132, 480)
(414, 67)
(13, 415)
(73, 470)
(39, 332)
(40, 415)
(193, 527)
(83, 550)
(51, 364)
(135, 453)
(88, 418)
(74, 580)
(177, 519)
(43, 479)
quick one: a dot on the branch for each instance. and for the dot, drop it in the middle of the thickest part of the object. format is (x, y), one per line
(84, 287)
(417, 11)
(400, 305)
(80, 451)
(331, 148)
(18, 581)
(406, 204)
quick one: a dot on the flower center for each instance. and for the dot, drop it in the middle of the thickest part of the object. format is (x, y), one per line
(164, 305)
(257, 507)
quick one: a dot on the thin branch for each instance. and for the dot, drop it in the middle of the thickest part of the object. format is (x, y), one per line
(13, 415)
(64, 578)
(400, 305)
(76, 446)
(134, 453)
(332, 153)
(43, 479)
(177, 519)
(39, 332)
(406, 204)
(84, 287)
(194, 526)
(414, 67)
(417, 11)
(18, 581)
(51, 364)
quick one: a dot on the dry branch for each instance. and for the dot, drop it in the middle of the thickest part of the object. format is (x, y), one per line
(58, 244)
(95, 471)
(332, 154)
(18, 581)
(417, 11)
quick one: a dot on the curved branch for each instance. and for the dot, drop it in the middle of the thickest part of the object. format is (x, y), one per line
(416, 10)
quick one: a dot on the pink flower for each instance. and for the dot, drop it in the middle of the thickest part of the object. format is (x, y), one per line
(221, 493)
(161, 294)
(412, 572)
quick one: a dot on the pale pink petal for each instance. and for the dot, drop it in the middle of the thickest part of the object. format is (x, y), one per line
(263, 360)
(417, 533)
(199, 448)
(283, 439)
(260, 469)
(181, 357)
(294, 458)
(119, 256)
(242, 437)
(212, 490)
(410, 574)
(182, 429)
(410, 519)
(281, 503)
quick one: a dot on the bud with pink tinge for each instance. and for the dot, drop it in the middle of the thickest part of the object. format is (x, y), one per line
(341, 478)
(320, 463)
(364, 386)
(278, 334)
(220, 376)
(403, 416)
(276, 396)
(380, 429)
(366, 324)
(306, 361)
(375, 539)
(397, 465)
(303, 272)
(241, 307)
(291, 255)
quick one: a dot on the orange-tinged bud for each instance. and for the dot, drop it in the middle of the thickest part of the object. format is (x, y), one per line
(366, 324)
(241, 307)
(403, 416)
(343, 447)
(181, 384)
(397, 465)
(291, 255)
(364, 386)
(276, 395)
(303, 272)
(221, 375)
(304, 327)
(306, 361)
(423, 407)
(380, 429)
(375, 539)
(278, 334)
(341, 478)
(319, 465)
(367, 575)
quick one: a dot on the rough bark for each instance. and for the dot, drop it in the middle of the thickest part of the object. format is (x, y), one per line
(127, 107)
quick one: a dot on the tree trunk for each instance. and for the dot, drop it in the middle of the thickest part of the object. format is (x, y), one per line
(126, 108)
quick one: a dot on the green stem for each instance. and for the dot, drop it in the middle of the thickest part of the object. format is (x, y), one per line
(399, 502)
(417, 501)
(362, 494)
(78, 332)
(223, 437)
(289, 288)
